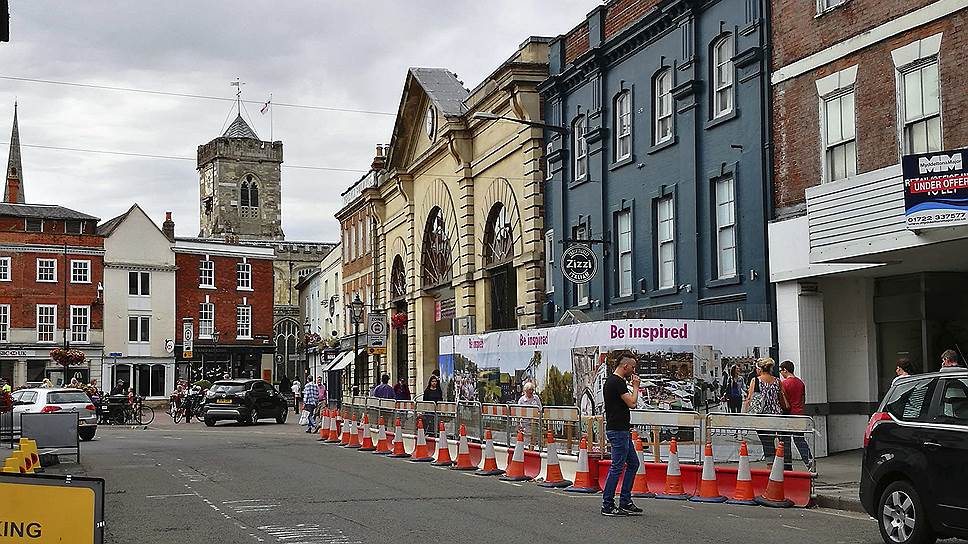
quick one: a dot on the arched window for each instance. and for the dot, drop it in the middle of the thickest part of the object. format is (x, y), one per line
(662, 91)
(398, 279)
(249, 193)
(435, 260)
(623, 126)
(722, 54)
(579, 146)
(498, 236)
(254, 195)
(244, 194)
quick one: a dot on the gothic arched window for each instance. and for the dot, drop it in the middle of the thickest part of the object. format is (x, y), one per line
(498, 236)
(244, 194)
(398, 279)
(249, 196)
(435, 260)
(254, 195)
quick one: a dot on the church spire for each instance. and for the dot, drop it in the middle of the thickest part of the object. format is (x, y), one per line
(13, 191)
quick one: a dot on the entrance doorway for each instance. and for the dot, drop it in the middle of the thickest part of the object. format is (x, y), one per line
(504, 298)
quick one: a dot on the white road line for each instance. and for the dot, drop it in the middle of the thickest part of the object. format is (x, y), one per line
(793, 527)
(169, 496)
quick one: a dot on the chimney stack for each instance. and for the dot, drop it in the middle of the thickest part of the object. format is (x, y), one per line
(168, 227)
(380, 159)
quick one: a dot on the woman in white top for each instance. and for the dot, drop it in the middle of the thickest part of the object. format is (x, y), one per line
(296, 395)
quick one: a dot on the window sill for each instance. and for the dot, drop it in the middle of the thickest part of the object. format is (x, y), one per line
(582, 306)
(243, 338)
(248, 289)
(712, 123)
(46, 341)
(662, 145)
(621, 162)
(664, 292)
(46, 281)
(81, 282)
(577, 182)
(732, 280)
(624, 299)
(5, 279)
(212, 287)
(823, 12)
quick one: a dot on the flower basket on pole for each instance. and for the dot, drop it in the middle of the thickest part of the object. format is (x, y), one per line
(67, 357)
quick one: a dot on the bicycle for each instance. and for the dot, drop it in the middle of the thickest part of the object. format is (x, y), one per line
(136, 413)
(176, 409)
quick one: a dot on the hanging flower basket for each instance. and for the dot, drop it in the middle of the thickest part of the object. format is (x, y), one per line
(67, 357)
(398, 321)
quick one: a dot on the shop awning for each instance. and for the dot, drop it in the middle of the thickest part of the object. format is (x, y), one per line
(343, 360)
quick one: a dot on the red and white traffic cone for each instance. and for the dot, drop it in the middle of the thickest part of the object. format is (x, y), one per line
(774, 495)
(334, 426)
(490, 459)
(584, 482)
(354, 434)
(463, 452)
(553, 477)
(515, 471)
(421, 454)
(399, 452)
(640, 486)
(323, 424)
(673, 487)
(345, 436)
(744, 479)
(708, 485)
(367, 433)
(382, 446)
(443, 448)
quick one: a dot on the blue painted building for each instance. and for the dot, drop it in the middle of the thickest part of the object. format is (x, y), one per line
(665, 163)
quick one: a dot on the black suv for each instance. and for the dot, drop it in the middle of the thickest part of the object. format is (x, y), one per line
(245, 401)
(914, 480)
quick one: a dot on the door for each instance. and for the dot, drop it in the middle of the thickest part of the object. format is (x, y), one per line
(948, 451)
(261, 400)
(504, 298)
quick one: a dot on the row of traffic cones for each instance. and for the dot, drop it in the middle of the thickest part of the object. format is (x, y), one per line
(25, 460)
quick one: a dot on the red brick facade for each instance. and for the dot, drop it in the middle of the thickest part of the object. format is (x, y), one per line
(619, 15)
(796, 118)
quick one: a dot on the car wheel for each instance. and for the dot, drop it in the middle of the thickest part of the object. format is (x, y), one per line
(902, 518)
(209, 422)
(87, 433)
(283, 414)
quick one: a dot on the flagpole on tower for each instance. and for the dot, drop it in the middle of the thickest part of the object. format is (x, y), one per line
(270, 118)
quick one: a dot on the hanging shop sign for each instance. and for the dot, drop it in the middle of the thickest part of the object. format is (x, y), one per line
(936, 189)
(579, 263)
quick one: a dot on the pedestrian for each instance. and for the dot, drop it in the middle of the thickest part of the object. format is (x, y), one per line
(285, 384)
(323, 397)
(296, 391)
(795, 392)
(765, 396)
(903, 369)
(433, 391)
(949, 361)
(528, 398)
(4, 386)
(47, 384)
(310, 398)
(734, 386)
(619, 401)
(384, 390)
(400, 390)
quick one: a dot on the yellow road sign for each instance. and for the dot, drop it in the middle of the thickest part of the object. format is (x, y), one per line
(51, 509)
(377, 351)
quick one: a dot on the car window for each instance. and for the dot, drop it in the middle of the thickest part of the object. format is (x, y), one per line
(258, 386)
(228, 387)
(67, 397)
(907, 400)
(954, 402)
(29, 397)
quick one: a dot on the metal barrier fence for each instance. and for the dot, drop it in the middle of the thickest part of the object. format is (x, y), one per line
(761, 432)
(469, 414)
(564, 424)
(496, 418)
(658, 427)
(407, 412)
(447, 414)
(526, 419)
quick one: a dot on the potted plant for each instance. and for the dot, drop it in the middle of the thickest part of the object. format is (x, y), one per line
(398, 320)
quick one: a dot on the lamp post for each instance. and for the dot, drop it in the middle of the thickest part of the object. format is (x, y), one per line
(356, 316)
(306, 332)
(215, 335)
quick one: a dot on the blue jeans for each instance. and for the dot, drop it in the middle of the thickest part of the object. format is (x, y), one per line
(623, 457)
(310, 408)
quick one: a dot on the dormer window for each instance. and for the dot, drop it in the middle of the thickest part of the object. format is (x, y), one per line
(74, 227)
(430, 122)
(34, 225)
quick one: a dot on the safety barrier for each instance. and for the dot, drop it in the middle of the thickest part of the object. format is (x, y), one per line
(658, 427)
(469, 414)
(446, 413)
(407, 412)
(564, 424)
(387, 411)
(496, 417)
(528, 420)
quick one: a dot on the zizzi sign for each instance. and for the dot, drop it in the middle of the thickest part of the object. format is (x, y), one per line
(935, 189)
(579, 263)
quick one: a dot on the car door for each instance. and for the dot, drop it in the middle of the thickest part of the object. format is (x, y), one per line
(25, 402)
(947, 450)
(260, 397)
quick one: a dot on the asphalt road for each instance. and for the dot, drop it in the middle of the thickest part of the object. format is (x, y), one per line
(273, 483)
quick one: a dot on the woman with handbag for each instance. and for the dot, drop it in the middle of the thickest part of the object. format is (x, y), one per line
(766, 396)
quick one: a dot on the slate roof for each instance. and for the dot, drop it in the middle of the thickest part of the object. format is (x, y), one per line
(107, 227)
(240, 129)
(42, 211)
(443, 88)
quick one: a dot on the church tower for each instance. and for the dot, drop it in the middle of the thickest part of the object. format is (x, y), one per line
(240, 186)
(13, 189)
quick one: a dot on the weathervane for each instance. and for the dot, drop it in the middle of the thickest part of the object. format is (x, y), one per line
(238, 94)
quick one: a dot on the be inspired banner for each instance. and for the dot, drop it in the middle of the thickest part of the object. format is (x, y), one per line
(936, 189)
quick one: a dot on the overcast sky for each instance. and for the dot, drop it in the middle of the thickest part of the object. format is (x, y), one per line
(324, 53)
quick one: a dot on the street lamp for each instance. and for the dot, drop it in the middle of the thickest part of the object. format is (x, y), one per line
(356, 317)
(486, 116)
(306, 332)
(215, 335)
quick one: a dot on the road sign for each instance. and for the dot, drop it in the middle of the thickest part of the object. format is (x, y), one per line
(115, 354)
(44, 508)
(376, 330)
(579, 264)
(169, 345)
(188, 338)
(377, 351)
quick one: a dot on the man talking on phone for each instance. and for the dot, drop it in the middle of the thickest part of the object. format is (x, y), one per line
(618, 401)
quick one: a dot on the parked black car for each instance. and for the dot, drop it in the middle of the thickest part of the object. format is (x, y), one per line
(914, 480)
(245, 401)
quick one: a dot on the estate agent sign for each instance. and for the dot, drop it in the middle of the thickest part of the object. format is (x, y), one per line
(936, 189)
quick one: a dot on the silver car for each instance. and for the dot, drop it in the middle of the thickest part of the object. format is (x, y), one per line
(44, 401)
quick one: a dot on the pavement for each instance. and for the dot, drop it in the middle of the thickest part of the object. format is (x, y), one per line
(838, 481)
(273, 483)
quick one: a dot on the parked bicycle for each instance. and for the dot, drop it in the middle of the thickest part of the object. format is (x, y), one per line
(136, 413)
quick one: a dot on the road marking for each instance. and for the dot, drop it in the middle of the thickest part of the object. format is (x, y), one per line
(792, 527)
(169, 496)
(308, 533)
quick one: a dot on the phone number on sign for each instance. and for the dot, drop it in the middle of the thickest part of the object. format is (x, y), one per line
(943, 217)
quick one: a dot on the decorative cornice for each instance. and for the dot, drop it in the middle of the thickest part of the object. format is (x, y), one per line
(52, 249)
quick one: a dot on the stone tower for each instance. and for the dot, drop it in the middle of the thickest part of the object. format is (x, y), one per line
(240, 186)
(13, 190)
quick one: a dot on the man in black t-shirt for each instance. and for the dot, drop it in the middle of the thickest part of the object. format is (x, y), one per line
(618, 401)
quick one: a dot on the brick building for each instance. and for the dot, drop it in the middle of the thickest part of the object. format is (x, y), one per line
(51, 269)
(224, 291)
(857, 85)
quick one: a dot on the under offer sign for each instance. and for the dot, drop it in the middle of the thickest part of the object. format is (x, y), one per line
(936, 189)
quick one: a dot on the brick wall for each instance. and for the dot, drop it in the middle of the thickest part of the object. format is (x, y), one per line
(623, 13)
(225, 296)
(796, 126)
(798, 31)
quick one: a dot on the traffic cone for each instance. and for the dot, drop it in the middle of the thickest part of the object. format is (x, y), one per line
(354, 434)
(334, 426)
(708, 485)
(29, 447)
(399, 452)
(367, 443)
(420, 452)
(640, 487)
(443, 448)
(515, 471)
(24, 462)
(744, 479)
(463, 452)
(14, 464)
(382, 447)
(774, 495)
(345, 436)
(490, 460)
(324, 425)
(584, 482)
(361, 431)
(673, 487)
(553, 477)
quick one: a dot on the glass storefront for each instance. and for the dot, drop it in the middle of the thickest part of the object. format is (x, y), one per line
(148, 380)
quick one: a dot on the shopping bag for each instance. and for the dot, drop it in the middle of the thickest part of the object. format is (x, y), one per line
(304, 418)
